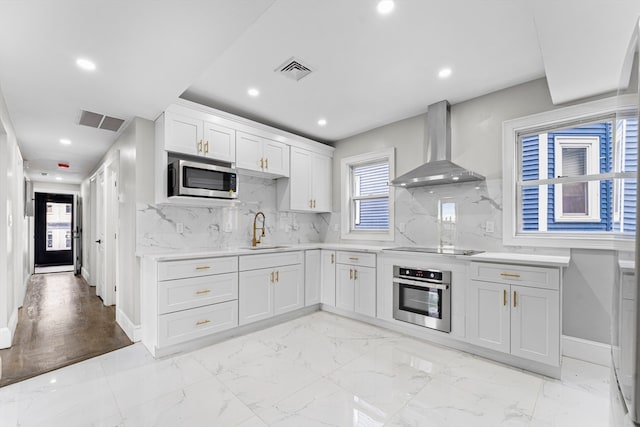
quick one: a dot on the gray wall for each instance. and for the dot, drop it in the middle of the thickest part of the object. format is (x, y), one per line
(476, 128)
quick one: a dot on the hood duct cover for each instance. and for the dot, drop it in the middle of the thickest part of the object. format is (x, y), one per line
(439, 169)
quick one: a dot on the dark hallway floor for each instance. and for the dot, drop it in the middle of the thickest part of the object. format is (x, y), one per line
(62, 322)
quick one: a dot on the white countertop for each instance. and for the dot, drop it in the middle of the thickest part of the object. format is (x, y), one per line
(504, 257)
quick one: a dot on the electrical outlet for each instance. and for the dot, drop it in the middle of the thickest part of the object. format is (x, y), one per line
(180, 227)
(489, 227)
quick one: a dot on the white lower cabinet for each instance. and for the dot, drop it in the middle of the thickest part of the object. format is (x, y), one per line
(328, 277)
(512, 318)
(312, 277)
(356, 282)
(181, 326)
(267, 292)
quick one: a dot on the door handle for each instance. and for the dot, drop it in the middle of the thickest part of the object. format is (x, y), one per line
(262, 163)
(98, 241)
(266, 163)
(504, 297)
(206, 147)
(332, 256)
(278, 276)
(350, 274)
(355, 274)
(514, 299)
(200, 146)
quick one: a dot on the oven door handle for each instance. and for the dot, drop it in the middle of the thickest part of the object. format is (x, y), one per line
(420, 283)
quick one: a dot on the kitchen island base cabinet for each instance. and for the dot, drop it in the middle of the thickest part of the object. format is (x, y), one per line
(523, 321)
(268, 292)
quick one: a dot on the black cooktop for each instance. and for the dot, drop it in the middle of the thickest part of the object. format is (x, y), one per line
(443, 251)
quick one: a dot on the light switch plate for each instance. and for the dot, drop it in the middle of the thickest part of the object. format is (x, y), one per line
(489, 227)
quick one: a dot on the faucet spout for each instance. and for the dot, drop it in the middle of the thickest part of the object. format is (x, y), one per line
(256, 239)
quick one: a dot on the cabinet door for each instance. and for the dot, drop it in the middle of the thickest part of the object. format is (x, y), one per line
(321, 182)
(535, 324)
(345, 288)
(248, 151)
(183, 134)
(276, 155)
(312, 277)
(300, 180)
(488, 315)
(255, 299)
(328, 293)
(219, 142)
(288, 288)
(365, 291)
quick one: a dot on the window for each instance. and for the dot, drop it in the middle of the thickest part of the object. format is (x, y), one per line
(367, 198)
(570, 176)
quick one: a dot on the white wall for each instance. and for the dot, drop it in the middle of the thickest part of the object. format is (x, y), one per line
(476, 133)
(133, 150)
(14, 269)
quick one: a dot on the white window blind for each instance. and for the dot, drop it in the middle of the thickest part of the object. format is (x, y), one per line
(370, 196)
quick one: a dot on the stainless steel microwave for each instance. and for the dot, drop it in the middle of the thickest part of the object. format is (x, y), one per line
(187, 178)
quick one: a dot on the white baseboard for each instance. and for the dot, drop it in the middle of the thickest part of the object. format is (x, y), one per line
(6, 334)
(589, 351)
(85, 275)
(133, 331)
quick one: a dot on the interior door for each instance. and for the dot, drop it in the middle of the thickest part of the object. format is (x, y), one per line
(100, 234)
(111, 233)
(53, 229)
(77, 235)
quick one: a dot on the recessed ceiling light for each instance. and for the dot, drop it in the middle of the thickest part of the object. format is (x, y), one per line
(253, 92)
(86, 64)
(444, 73)
(65, 141)
(58, 178)
(322, 122)
(385, 6)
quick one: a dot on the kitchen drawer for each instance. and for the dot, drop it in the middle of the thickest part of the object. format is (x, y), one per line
(182, 294)
(175, 328)
(273, 260)
(537, 277)
(356, 258)
(170, 270)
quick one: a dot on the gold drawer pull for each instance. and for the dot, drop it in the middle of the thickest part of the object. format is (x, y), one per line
(504, 297)
(352, 258)
(202, 322)
(509, 275)
(203, 267)
(203, 291)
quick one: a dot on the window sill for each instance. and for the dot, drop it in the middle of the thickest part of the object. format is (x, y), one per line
(571, 241)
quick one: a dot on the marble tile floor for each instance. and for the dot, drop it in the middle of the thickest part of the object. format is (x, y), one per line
(317, 370)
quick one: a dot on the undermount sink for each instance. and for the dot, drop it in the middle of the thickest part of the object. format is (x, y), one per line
(253, 248)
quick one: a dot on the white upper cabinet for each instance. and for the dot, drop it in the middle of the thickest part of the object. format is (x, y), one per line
(309, 187)
(257, 154)
(197, 137)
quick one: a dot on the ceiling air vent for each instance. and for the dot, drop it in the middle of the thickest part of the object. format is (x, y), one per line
(100, 121)
(294, 69)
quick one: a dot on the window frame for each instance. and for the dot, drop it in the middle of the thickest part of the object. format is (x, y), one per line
(346, 164)
(543, 122)
(592, 146)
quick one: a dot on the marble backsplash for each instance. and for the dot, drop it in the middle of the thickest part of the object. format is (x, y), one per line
(206, 228)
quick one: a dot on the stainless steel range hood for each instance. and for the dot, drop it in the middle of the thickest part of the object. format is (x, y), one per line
(438, 169)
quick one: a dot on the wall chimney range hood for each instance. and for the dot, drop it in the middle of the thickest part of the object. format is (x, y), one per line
(438, 169)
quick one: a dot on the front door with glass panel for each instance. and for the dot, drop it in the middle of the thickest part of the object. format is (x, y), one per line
(53, 229)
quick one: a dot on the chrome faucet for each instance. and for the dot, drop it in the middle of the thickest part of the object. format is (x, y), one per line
(256, 240)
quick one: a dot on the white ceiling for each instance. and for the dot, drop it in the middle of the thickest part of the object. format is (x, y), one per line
(369, 70)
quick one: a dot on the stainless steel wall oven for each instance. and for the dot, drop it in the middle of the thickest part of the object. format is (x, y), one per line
(422, 297)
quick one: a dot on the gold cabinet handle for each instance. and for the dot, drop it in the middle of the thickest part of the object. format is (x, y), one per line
(272, 274)
(206, 147)
(514, 299)
(266, 163)
(355, 274)
(509, 275)
(277, 276)
(203, 291)
(350, 274)
(310, 203)
(332, 258)
(314, 203)
(262, 163)
(203, 267)
(202, 322)
(353, 258)
(200, 146)
(504, 297)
